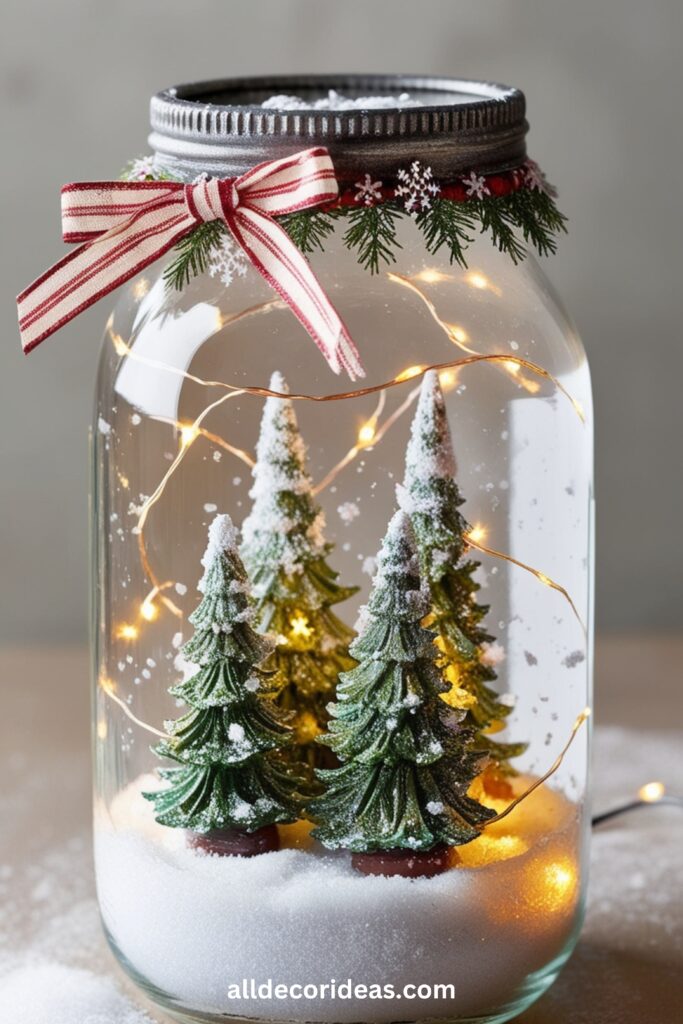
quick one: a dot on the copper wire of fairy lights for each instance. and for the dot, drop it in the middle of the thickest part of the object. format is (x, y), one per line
(580, 719)
(108, 688)
(470, 537)
(455, 334)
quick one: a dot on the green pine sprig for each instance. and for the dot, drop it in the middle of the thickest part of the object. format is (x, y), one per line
(309, 229)
(531, 212)
(372, 233)
(193, 253)
(448, 224)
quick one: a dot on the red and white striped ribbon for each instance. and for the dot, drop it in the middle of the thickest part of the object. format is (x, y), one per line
(125, 226)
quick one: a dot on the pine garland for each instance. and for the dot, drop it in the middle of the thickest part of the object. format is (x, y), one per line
(524, 218)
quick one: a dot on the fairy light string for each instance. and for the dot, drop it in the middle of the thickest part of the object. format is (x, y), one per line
(370, 434)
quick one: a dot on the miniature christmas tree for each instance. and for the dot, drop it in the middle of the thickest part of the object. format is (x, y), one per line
(294, 588)
(431, 497)
(231, 786)
(407, 761)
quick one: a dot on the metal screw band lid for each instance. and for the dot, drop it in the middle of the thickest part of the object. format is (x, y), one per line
(221, 126)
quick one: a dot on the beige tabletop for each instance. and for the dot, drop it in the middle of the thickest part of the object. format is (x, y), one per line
(55, 968)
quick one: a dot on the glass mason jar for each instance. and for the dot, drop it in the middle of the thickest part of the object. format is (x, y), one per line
(295, 933)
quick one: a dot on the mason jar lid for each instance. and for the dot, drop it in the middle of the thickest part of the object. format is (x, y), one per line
(451, 124)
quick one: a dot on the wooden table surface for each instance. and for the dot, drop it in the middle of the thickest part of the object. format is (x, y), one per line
(628, 967)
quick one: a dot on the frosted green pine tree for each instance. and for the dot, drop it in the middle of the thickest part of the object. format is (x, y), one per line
(229, 772)
(294, 588)
(407, 761)
(431, 496)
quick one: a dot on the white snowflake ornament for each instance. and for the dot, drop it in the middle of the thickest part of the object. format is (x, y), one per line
(535, 179)
(228, 261)
(142, 169)
(369, 191)
(475, 185)
(417, 189)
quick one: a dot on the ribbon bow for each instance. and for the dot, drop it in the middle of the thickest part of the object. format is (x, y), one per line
(125, 226)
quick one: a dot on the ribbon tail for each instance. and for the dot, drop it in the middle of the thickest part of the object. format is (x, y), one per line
(94, 269)
(278, 260)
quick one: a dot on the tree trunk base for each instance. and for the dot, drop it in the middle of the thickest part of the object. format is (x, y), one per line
(406, 863)
(234, 842)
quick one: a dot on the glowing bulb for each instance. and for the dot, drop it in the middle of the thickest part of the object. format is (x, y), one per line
(477, 534)
(188, 433)
(299, 627)
(448, 379)
(124, 481)
(511, 366)
(545, 580)
(127, 632)
(459, 334)
(149, 610)
(410, 372)
(476, 280)
(366, 434)
(432, 276)
(102, 729)
(140, 288)
(651, 792)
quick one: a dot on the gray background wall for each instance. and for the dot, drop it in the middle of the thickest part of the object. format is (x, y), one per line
(603, 82)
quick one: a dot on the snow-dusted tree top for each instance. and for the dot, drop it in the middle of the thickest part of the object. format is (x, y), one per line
(223, 539)
(397, 569)
(280, 451)
(430, 449)
(280, 474)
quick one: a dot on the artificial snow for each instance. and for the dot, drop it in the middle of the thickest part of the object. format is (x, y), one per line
(194, 924)
(336, 101)
(492, 654)
(348, 511)
(369, 566)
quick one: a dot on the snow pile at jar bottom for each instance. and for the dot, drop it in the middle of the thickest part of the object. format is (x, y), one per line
(193, 925)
